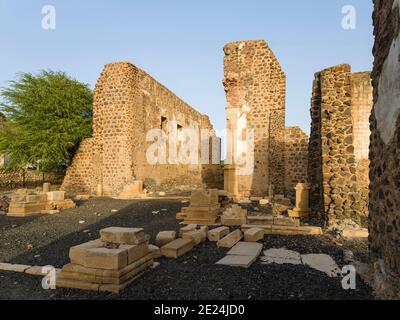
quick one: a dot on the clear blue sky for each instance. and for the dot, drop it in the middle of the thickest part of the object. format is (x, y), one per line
(179, 42)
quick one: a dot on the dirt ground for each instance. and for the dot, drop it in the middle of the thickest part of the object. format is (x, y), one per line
(45, 240)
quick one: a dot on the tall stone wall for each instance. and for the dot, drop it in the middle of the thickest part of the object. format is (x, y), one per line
(128, 103)
(384, 208)
(296, 159)
(339, 136)
(255, 87)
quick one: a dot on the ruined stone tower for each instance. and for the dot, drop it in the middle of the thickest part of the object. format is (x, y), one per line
(384, 207)
(128, 103)
(338, 149)
(255, 87)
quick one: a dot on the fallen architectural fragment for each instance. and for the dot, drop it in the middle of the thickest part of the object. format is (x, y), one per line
(26, 202)
(230, 239)
(234, 215)
(286, 230)
(243, 254)
(338, 154)
(177, 248)
(204, 208)
(254, 235)
(198, 236)
(110, 263)
(165, 237)
(217, 233)
(188, 228)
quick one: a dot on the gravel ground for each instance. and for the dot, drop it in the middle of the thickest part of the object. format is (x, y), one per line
(45, 240)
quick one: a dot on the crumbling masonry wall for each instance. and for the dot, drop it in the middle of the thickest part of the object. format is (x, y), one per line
(384, 207)
(338, 161)
(127, 104)
(296, 159)
(255, 87)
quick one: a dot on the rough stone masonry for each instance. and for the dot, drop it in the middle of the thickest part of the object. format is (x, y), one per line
(255, 87)
(127, 104)
(338, 148)
(384, 207)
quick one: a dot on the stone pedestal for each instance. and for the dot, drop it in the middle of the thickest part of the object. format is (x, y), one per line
(230, 182)
(302, 201)
(46, 187)
(204, 208)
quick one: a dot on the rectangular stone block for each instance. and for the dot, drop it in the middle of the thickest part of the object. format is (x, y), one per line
(260, 220)
(231, 239)
(254, 235)
(100, 278)
(246, 249)
(217, 233)
(55, 196)
(155, 251)
(103, 258)
(228, 221)
(136, 252)
(123, 235)
(76, 268)
(197, 236)
(165, 237)
(188, 228)
(177, 248)
(20, 268)
(76, 284)
(285, 221)
(355, 233)
(25, 209)
(36, 198)
(237, 261)
(286, 230)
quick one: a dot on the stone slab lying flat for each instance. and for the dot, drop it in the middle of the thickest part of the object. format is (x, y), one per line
(217, 233)
(177, 248)
(355, 233)
(14, 267)
(123, 235)
(254, 235)
(286, 221)
(246, 249)
(231, 239)
(260, 220)
(237, 261)
(286, 230)
(281, 256)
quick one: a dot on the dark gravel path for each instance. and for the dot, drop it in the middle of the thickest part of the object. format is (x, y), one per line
(46, 240)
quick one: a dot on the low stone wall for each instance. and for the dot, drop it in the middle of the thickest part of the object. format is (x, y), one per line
(384, 207)
(30, 178)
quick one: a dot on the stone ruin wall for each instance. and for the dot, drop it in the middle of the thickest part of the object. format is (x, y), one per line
(127, 104)
(384, 207)
(296, 159)
(337, 154)
(255, 87)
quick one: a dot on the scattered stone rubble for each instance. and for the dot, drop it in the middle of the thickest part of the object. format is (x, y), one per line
(26, 202)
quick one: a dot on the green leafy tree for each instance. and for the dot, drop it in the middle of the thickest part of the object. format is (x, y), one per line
(48, 115)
